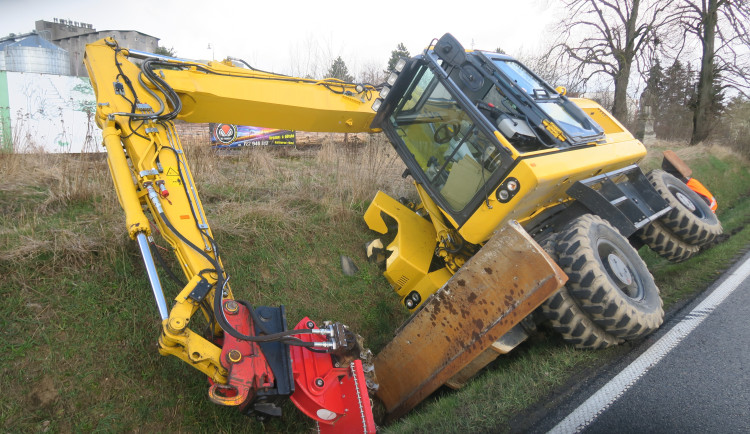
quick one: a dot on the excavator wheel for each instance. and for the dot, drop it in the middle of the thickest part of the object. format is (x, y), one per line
(691, 219)
(608, 279)
(568, 318)
(666, 244)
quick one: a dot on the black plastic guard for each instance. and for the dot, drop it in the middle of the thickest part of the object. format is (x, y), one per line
(623, 197)
(279, 359)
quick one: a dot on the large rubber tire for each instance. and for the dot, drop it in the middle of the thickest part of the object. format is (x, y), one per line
(608, 279)
(567, 317)
(665, 243)
(690, 219)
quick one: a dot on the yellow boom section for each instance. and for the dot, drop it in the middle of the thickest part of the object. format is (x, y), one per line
(218, 92)
(240, 96)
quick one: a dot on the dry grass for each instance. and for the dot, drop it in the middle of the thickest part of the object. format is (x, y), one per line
(237, 188)
(61, 210)
(64, 178)
(694, 153)
(286, 184)
(358, 173)
(39, 192)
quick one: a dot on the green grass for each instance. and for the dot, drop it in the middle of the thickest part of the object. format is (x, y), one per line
(78, 325)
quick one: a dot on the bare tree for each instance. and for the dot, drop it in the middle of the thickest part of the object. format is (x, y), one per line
(372, 73)
(609, 37)
(306, 59)
(728, 23)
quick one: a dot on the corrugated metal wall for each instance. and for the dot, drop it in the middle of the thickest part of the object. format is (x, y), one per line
(37, 59)
(35, 54)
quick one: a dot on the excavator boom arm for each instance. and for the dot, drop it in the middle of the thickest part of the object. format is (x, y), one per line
(246, 350)
(219, 92)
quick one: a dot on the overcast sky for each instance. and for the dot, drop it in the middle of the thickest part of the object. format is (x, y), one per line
(286, 36)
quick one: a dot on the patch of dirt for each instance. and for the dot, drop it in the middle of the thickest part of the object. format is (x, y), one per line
(43, 393)
(314, 261)
(265, 273)
(727, 235)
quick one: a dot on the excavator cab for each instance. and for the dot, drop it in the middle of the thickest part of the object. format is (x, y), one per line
(460, 120)
(487, 142)
(452, 153)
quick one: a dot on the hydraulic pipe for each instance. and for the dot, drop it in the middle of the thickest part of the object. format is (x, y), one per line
(153, 277)
(135, 220)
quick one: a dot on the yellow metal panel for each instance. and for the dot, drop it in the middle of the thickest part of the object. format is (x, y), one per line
(426, 286)
(544, 179)
(609, 124)
(249, 98)
(411, 249)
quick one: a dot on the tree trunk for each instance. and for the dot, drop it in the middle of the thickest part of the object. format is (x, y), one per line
(620, 106)
(624, 59)
(702, 115)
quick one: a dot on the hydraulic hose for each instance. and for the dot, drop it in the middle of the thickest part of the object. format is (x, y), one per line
(219, 312)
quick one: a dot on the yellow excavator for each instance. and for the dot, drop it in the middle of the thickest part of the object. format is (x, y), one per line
(521, 189)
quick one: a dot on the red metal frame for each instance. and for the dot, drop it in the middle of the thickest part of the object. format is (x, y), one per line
(334, 396)
(245, 362)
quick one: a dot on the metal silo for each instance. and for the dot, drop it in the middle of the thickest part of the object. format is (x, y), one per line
(3, 44)
(35, 54)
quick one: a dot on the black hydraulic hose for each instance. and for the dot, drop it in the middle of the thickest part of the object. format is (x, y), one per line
(276, 77)
(217, 268)
(219, 312)
(163, 87)
(185, 240)
(125, 77)
(152, 93)
(163, 264)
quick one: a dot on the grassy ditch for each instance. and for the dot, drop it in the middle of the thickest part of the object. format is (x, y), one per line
(78, 324)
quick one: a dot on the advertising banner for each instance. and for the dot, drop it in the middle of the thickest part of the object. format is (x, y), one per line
(225, 136)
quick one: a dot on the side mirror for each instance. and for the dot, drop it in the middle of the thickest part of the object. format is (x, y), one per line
(450, 50)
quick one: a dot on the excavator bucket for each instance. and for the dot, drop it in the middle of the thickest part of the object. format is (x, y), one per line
(496, 289)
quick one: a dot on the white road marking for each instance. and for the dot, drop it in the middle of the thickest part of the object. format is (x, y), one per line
(587, 412)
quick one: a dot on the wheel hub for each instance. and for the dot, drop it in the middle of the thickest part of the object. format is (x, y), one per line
(685, 201)
(619, 269)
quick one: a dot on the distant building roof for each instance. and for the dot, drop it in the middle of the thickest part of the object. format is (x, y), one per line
(14, 37)
(34, 41)
(105, 31)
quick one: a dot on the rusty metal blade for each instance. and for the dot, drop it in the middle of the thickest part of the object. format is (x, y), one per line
(498, 287)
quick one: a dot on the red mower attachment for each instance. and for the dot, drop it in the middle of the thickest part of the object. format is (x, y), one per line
(332, 393)
(326, 382)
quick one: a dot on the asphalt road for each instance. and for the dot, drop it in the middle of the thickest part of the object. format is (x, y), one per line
(701, 384)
